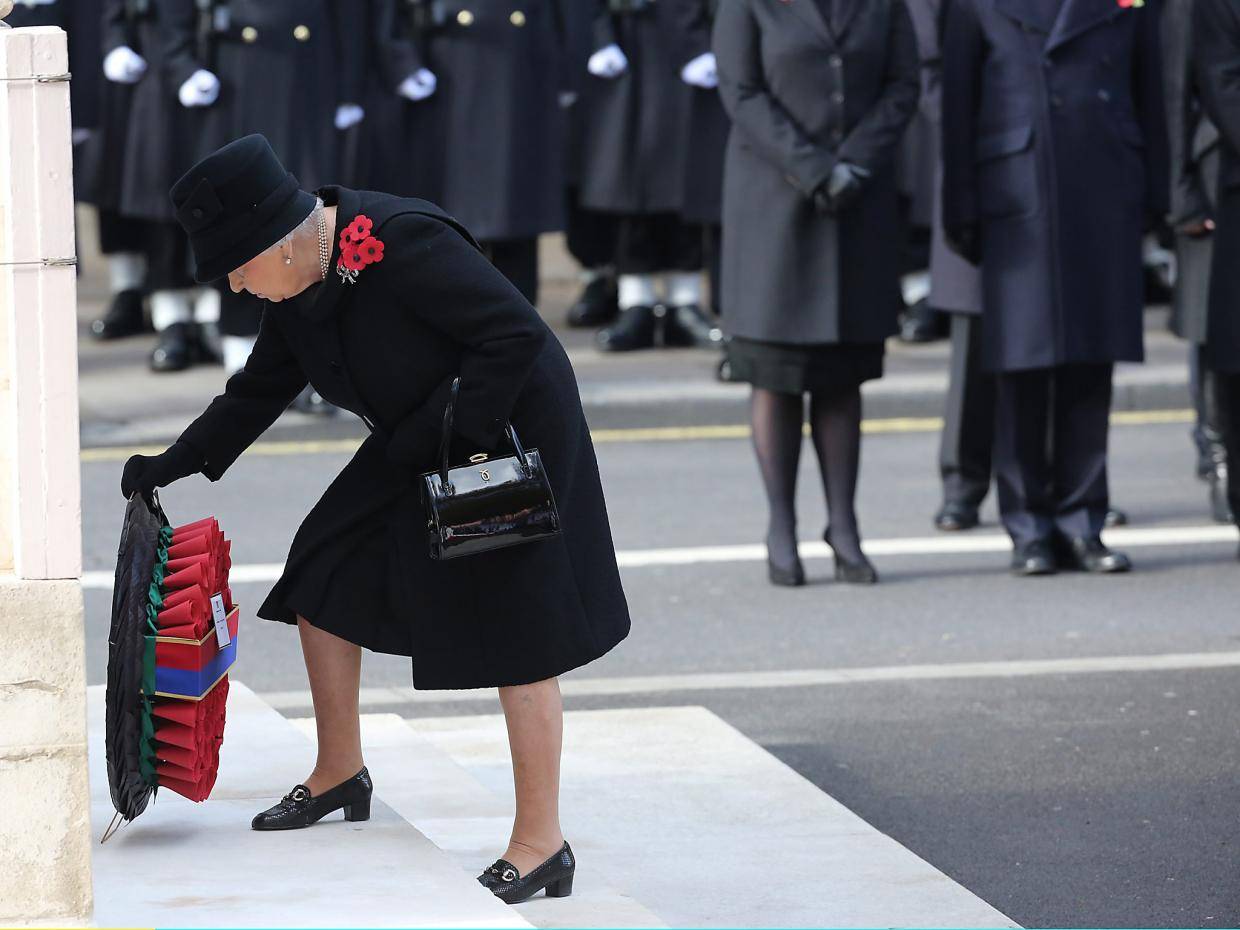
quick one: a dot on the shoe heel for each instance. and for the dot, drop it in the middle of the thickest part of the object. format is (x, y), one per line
(358, 810)
(561, 889)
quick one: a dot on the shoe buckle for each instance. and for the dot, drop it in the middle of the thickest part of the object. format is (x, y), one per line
(299, 794)
(509, 875)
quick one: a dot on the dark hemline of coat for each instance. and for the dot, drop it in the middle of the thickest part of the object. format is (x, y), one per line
(1194, 148)
(802, 97)
(388, 348)
(1060, 175)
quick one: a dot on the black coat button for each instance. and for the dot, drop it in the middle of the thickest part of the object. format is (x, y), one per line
(1104, 95)
(335, 367)
(1056, 101)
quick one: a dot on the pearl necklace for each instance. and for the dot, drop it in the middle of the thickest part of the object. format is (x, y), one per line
(325, 252)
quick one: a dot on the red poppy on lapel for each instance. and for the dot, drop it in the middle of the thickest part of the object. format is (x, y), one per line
(1129, 4)
(358, 248)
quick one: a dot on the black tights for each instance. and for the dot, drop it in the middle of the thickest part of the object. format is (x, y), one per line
(835, 425)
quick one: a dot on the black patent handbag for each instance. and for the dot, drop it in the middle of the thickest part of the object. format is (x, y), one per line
(488, 503)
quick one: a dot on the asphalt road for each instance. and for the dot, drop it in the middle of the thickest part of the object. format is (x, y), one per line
(1089, 795)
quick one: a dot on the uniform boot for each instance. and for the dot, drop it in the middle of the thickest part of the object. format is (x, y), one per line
(124, 316)
(597, 304)
(688, 326)
(633, 330)
(1220, 505)
(177, 348)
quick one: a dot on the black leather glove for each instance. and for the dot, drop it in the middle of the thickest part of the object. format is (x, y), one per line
(966, 242)
(144, 473)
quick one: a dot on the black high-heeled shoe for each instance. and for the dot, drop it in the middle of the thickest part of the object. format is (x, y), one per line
(792, 576)
(511, 887)
(300, 808)
(848, 571)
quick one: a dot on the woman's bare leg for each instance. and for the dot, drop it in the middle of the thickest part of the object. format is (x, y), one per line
(535, 717)
(334, 666)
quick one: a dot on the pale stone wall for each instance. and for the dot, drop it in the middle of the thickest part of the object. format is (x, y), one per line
(45, 833)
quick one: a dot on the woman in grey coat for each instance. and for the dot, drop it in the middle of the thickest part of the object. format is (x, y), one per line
(820, 93)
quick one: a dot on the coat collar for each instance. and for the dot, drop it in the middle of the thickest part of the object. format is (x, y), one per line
(1078, 16)
(321, 300)
(832, 31)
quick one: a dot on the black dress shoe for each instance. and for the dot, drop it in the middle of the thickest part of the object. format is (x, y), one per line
(921, 323)
(1220, 506)
(122, 318)
(177, 348)
(596, 305)
(792, 577)
(1092, 555)
(848, 571)
(634, 330)
(954, 516)
(1035, 558)
(299, 808)
(312, 402)
(1115, 517)
(510, 886)
(688, 326)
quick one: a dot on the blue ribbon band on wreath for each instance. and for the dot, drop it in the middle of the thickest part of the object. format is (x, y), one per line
(192, 684)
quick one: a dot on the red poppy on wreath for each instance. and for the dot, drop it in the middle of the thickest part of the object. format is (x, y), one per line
(1130, 4)
(358, 249)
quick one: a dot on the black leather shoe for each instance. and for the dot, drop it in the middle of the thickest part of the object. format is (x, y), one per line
(1035, 558)
(312, 402)
(954, 517)
(1115, 517)
(177, 348)
(1092, 555)
(922, 324)
(688, 327)
(122, 318)
(1220, 506)
(850, 572)
(792, 577)
(634, 330)
(596, 305)
(510, 886)
(299, 808)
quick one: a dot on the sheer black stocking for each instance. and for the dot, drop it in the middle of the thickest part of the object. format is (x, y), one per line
(835, 423)
(776, 420)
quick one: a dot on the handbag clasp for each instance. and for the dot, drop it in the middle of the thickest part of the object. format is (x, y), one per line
(478, 457)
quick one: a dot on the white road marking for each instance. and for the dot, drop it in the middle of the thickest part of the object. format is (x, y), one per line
(964, 543)
(795, 678)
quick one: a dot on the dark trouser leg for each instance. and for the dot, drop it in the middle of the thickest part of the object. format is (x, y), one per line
(589, 235)
(518, 260)
(1022, 466)
(1227, 395)
(969, 420)
(1081, 423)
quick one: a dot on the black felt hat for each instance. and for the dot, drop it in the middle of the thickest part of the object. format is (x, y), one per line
(235, 203)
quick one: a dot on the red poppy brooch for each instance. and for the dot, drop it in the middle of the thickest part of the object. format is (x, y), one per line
(358, 248)
(1129, 4)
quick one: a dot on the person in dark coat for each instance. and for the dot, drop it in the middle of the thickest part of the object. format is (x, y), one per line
(820, 93)
(494, 117)
(1055, 161)
(219, 56)
(1194, 190)
(635, 161)
(387, 346)
(1216, 55)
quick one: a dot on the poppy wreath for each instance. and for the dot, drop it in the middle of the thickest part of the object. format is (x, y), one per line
(358, 248)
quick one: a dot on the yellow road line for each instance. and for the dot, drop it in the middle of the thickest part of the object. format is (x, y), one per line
(637, 434)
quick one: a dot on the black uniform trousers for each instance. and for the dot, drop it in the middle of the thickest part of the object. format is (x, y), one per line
(1227, 398)
(1051, 451)
(969, 418)
(1207, 429)
(517, 260)
(590, 234)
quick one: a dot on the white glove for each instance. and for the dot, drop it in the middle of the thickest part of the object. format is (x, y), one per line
(418, 86)
(123, 65)
(608, 62)
(701, 72)
(201, 89)
(349, 115)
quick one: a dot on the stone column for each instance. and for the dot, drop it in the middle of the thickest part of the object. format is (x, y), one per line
(45, 830)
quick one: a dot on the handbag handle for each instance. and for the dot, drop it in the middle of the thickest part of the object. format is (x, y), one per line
(446, 438)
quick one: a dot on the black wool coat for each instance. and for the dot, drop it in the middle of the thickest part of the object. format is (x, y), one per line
(1194, 173)
(633, 143)
(99, 163)
(387, 348)
(1055, 150)
(804, 95)
(1216, 52)
(706, 126)
(494, 126)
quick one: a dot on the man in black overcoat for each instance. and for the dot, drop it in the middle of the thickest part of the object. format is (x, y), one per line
(1216, 52)
(1055, 161)
(1194, 189)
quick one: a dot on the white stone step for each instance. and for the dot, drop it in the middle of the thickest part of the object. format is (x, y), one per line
(705, 828)
(471, 822)
(182, 864)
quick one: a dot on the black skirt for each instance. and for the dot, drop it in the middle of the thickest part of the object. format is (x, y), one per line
(819, 368)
